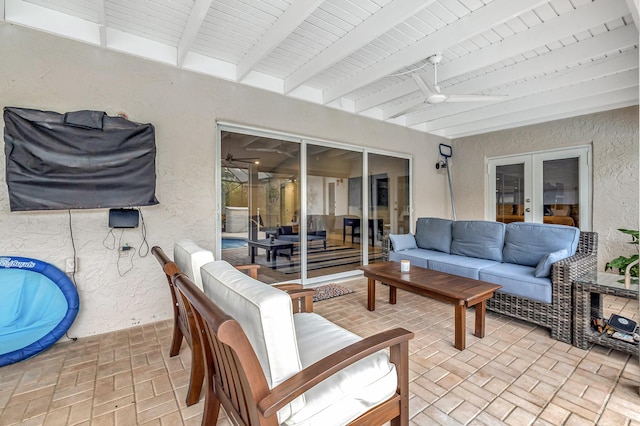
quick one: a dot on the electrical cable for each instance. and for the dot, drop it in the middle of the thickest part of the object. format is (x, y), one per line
(113, 238)
(73, 273)
(143, 230)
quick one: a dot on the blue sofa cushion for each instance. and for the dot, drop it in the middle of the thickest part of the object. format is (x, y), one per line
(434, 234)
(527, 243)
(543, 269)
(417, 257)
(403, 241)
(463, 266)
(478, 238)
(518, 280)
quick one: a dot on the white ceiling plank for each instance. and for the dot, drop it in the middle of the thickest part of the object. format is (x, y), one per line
(634, 6)
(51, 21)
(475, 23)
(379, 23)
(102, 22)
(281, 29)
(610, 83)
(558, 28)
(191, 29)
(572, 108)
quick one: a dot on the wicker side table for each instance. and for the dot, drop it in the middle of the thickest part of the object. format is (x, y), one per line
(588, 298)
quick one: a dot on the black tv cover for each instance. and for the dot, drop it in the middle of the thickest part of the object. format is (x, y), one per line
(79, 160)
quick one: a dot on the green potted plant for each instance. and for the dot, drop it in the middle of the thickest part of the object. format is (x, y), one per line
(621, 262)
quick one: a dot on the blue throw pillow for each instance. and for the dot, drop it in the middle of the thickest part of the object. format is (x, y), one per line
(403, 242)
(543, 269)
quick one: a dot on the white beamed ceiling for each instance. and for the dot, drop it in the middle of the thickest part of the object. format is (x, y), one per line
(552, 59)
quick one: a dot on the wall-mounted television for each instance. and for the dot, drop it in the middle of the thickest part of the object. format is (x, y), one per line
(77, 160)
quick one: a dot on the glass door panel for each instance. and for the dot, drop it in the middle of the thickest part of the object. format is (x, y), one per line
(560, 186)
(388, 201)
(261, 204)
(510, 194)
(333, 210)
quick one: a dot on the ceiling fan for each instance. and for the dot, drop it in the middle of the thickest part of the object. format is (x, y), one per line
(229, 159)
(432, 91)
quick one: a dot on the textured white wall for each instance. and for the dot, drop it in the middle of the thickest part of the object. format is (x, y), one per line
(51, 73)
(613, 136)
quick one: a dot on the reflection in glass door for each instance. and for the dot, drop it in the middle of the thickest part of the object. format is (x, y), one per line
(388, 200)
(260, 191)
(334, 210)
(551, 187)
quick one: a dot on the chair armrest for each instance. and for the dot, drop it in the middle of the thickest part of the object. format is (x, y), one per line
(287, 287)
(397, 340)
(302, 299)
(252, 270)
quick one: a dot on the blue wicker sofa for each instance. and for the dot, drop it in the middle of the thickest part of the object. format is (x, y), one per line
(535, 263)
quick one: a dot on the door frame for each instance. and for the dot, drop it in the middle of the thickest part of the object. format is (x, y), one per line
(533, 162)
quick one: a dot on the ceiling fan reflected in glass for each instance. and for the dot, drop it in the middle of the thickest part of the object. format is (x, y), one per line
(230, 160)
(432, 91)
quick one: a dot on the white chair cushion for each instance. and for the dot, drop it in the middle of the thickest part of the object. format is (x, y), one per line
(265, 315)
(347, 394)
(190, 257)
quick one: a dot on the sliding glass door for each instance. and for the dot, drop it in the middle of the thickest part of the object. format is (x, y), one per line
(334, 209)
(388, 200)
(298, 207)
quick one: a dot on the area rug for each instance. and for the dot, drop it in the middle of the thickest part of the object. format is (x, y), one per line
(328, 291)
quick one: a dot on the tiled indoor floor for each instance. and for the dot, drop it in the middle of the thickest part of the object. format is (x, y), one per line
(516, 375)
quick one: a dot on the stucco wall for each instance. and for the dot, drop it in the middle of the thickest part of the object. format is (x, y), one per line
(51, 73)
(613, 136)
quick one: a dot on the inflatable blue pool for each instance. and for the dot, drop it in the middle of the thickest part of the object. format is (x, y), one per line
(38, 305)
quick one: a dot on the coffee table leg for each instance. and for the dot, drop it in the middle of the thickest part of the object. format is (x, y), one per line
(392, 294)
(253, 254)
(371, 294)
(481, 310)
(460, 314)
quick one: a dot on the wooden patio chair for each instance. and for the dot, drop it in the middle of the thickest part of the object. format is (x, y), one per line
(183, 321)
(235, 377)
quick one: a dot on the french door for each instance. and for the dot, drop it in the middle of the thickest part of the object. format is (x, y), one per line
(545, 187)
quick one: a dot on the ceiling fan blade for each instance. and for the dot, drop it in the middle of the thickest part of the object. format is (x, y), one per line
(409, 110)
(425, 86)
(476, 98)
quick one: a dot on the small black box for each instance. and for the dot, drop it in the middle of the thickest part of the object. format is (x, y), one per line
(123, 218)
(622, 324)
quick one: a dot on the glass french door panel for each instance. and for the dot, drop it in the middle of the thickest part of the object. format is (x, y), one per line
(260, 189)
(561, 191)
(333, 210)
(510, 195)
(388, 200)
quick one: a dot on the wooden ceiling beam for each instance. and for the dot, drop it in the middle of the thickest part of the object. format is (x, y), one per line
(192, 28)
(394, 13)
(281, 29)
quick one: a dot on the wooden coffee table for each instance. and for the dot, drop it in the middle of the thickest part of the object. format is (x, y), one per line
(459, 291)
